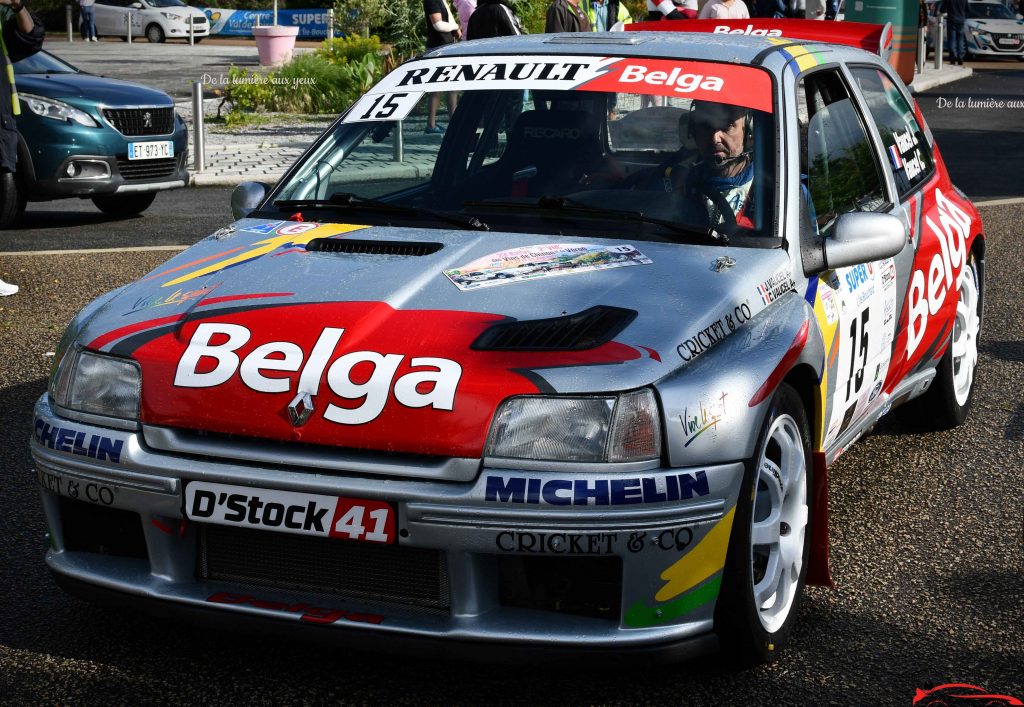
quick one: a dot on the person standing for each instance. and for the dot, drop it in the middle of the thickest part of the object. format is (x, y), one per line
(493, 18)
(465, 9)
(605, 14)
(21, 35)
(88, 20)
(725, 10)
(956, 16)
(566, 16)
(441, 30)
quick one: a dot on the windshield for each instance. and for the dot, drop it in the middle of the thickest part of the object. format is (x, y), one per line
(165, 3)
(43, 63)
(588, 146)
(989, 11)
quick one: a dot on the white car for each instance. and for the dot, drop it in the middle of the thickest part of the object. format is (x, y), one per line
(158, 20)
(993, 30)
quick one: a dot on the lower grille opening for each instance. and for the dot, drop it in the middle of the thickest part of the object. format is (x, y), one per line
(142, 170)
(580, 586)
(105, 531)
(410, 576)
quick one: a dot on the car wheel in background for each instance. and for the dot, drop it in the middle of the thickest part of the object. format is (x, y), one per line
(768, 552)
(128, 205)
(197, 40)
(12, 200)
(154, 34)
(948, 400)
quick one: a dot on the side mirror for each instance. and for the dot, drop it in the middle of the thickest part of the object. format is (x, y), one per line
(862, 238)
(136, 6)
(246, 197)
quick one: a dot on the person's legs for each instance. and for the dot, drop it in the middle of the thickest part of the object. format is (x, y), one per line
(89, 22)
(434, 102)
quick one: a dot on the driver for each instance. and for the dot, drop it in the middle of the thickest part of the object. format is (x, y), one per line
(724, 172)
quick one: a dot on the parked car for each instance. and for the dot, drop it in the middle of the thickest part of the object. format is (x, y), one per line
(327, 417)
(157, 20)
(83, 136)
(992, 29)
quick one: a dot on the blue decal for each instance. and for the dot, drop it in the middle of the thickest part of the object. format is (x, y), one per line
(600, 492)
(84, 444)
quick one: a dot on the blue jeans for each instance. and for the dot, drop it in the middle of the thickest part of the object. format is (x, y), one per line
(957, 43)
(88, 22)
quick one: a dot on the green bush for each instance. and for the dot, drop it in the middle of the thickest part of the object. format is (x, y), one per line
(350, 48)
(309, 83)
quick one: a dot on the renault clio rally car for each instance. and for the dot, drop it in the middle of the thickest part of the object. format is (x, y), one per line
(569, 377)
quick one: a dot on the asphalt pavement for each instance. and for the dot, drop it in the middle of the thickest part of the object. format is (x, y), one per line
(927, 528)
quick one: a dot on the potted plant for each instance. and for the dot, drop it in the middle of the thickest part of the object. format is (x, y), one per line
(275, 43)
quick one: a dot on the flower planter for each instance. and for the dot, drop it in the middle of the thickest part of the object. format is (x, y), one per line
(275, 43)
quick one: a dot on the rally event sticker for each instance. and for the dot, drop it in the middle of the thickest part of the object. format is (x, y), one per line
(548, 260)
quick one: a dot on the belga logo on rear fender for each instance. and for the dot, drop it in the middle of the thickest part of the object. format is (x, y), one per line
(432, 383)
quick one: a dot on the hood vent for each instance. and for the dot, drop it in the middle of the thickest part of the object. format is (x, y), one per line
(360, 247)
(575, 332)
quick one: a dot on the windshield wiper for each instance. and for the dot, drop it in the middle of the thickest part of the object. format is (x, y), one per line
(564, 203)
(345, 199)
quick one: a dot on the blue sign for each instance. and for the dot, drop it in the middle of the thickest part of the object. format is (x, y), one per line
(312, 23)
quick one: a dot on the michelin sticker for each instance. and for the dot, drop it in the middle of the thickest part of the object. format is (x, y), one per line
(548, 260)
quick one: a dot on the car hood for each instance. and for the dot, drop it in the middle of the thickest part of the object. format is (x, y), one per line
(92, 90)
(998, 26)
(408, 339)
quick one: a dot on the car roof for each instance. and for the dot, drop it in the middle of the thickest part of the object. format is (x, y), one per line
(732, 48)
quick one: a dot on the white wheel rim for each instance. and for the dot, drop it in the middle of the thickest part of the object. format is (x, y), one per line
(966, 326)
(778, 523)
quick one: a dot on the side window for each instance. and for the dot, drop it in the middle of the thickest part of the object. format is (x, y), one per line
(837, 157)
(901, 134)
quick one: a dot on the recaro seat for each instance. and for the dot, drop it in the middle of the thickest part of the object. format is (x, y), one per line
(562, 145)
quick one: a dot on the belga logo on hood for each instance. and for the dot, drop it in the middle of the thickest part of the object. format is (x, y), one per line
(378, 378)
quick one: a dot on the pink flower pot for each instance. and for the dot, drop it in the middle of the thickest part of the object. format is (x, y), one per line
(275, 43)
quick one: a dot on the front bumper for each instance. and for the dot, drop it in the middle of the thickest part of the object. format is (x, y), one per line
(48, 147)
(656, 562)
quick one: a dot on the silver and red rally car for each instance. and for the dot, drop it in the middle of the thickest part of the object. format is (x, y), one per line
(568, 376)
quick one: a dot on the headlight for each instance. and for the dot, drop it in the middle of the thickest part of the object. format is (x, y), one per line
(98, 385)
(622, 428)
(49, 108)
(172, 16)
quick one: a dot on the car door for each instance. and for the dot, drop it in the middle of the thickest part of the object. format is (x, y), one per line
(928, 280)
(855, 306)
(108, 17)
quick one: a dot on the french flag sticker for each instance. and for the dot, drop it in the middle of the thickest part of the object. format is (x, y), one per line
(897, 161)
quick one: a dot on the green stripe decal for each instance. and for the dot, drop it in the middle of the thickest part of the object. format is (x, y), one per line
(640, 616)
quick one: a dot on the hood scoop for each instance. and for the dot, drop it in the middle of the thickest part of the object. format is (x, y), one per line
(575, 332)
(354, 246)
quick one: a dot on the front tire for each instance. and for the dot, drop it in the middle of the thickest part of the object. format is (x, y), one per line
(129, 205)
(155, 34)
(948, 400)
(768, 553)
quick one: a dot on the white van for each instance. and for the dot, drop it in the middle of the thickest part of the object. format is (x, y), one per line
(158, 20)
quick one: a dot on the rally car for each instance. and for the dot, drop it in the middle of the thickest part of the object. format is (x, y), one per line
(728, 253)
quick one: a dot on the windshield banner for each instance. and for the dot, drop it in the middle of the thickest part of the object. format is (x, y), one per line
(398, 92)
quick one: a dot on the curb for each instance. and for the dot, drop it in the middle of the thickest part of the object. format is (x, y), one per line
(929, 80)
(230, 180)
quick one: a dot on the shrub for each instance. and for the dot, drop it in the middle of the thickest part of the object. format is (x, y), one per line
(350, 48)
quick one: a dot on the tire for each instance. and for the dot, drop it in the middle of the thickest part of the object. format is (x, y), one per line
(768, 553)
(197, 40)
(948, 400)
(129, 205)
(12, 200)
(155, 34)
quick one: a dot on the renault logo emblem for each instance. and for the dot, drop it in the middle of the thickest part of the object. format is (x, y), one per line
(300, 408)
(147, 120)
